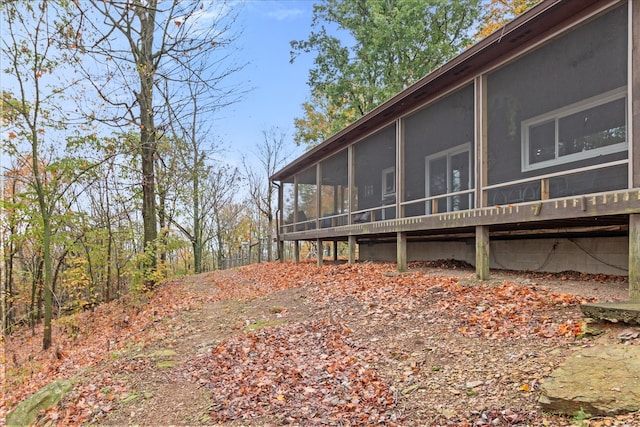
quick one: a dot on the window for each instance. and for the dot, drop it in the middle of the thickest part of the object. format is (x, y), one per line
(449, 172)
(389, 182)
(589, 128)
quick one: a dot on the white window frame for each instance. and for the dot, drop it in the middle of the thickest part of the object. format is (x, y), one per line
(560, 113)
(385, 173)
(464, 148)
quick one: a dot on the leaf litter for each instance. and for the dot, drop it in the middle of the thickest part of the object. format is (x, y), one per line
(352, 345)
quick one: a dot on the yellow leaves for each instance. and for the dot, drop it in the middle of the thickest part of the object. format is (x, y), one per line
(525, 388)
(499, 12)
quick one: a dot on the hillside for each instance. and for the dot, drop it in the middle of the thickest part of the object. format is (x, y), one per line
(275, 344)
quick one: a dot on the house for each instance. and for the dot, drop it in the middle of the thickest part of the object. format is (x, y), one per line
(523, 152)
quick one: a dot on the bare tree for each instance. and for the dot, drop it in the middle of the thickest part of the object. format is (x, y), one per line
(147, 51)
(270, 156)
(221, 189)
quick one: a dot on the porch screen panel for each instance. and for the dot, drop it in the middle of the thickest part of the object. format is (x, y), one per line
(334, 200)
(560, 107)
(306, 203)
(438, 155)
(375, 160)
(289, 205)
(593, 181)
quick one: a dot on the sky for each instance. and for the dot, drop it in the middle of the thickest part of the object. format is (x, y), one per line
(277, 87)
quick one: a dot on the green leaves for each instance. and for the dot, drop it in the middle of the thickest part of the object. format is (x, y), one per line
(376, 49)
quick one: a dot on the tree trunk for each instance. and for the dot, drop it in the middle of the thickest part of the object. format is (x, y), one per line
(148, 141)
(47, 338)
(197, 224)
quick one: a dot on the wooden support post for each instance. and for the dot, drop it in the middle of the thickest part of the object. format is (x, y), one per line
(634, 257)
(481, 167)
(352, 249)
(335, 250)
(544, 189)
(401, 248)
(482, 252)
(320, 252)
(280, 222)
(296, 251)
(634, 98)
(634, 150)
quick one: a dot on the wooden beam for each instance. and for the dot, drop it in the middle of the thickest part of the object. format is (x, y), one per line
(482, 252)
(296, 251)
(481, 156)
(335, 250)
(400, 170)
(320, 252)
(634, 150)
(634, 88)
(318, 195)
(351, 182)
(352, 249)
(544, 189)
(401, 251)
(280, 222)
(634, 257)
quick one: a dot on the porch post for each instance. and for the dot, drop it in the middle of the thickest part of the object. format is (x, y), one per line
(401, 248)
(296, 251)
(320, 252)
(399, 168)
(352, 249)
(480, 164)
(634, 257)
(280, 222)
(634, 149)
(634, 95)
(335, 250)
(482, 252)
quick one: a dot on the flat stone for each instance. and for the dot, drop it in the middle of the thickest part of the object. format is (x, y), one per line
(624, 311)
(601, 380)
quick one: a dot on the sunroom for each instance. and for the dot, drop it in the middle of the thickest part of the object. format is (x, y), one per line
(519, 153)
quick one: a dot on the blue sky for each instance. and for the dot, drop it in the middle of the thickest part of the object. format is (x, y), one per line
(278, 88)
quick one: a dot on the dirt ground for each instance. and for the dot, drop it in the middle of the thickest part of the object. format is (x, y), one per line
(437, 375)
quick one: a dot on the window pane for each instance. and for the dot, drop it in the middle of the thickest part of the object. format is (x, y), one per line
(542, 142)
(438, 176)
(460, 172)
(388, 182)
(459, 180)
(596, 127)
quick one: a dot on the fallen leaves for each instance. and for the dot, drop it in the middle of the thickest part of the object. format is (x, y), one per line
(97, 336)
(511, 310)
(378, 342)
(308, 372)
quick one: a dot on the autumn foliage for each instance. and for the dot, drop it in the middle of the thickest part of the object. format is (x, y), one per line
(313, 371)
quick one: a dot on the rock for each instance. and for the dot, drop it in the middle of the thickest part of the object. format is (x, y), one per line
(600, 380)
(26, 412)
(474, 384)
(628, 334)
(623, 311)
